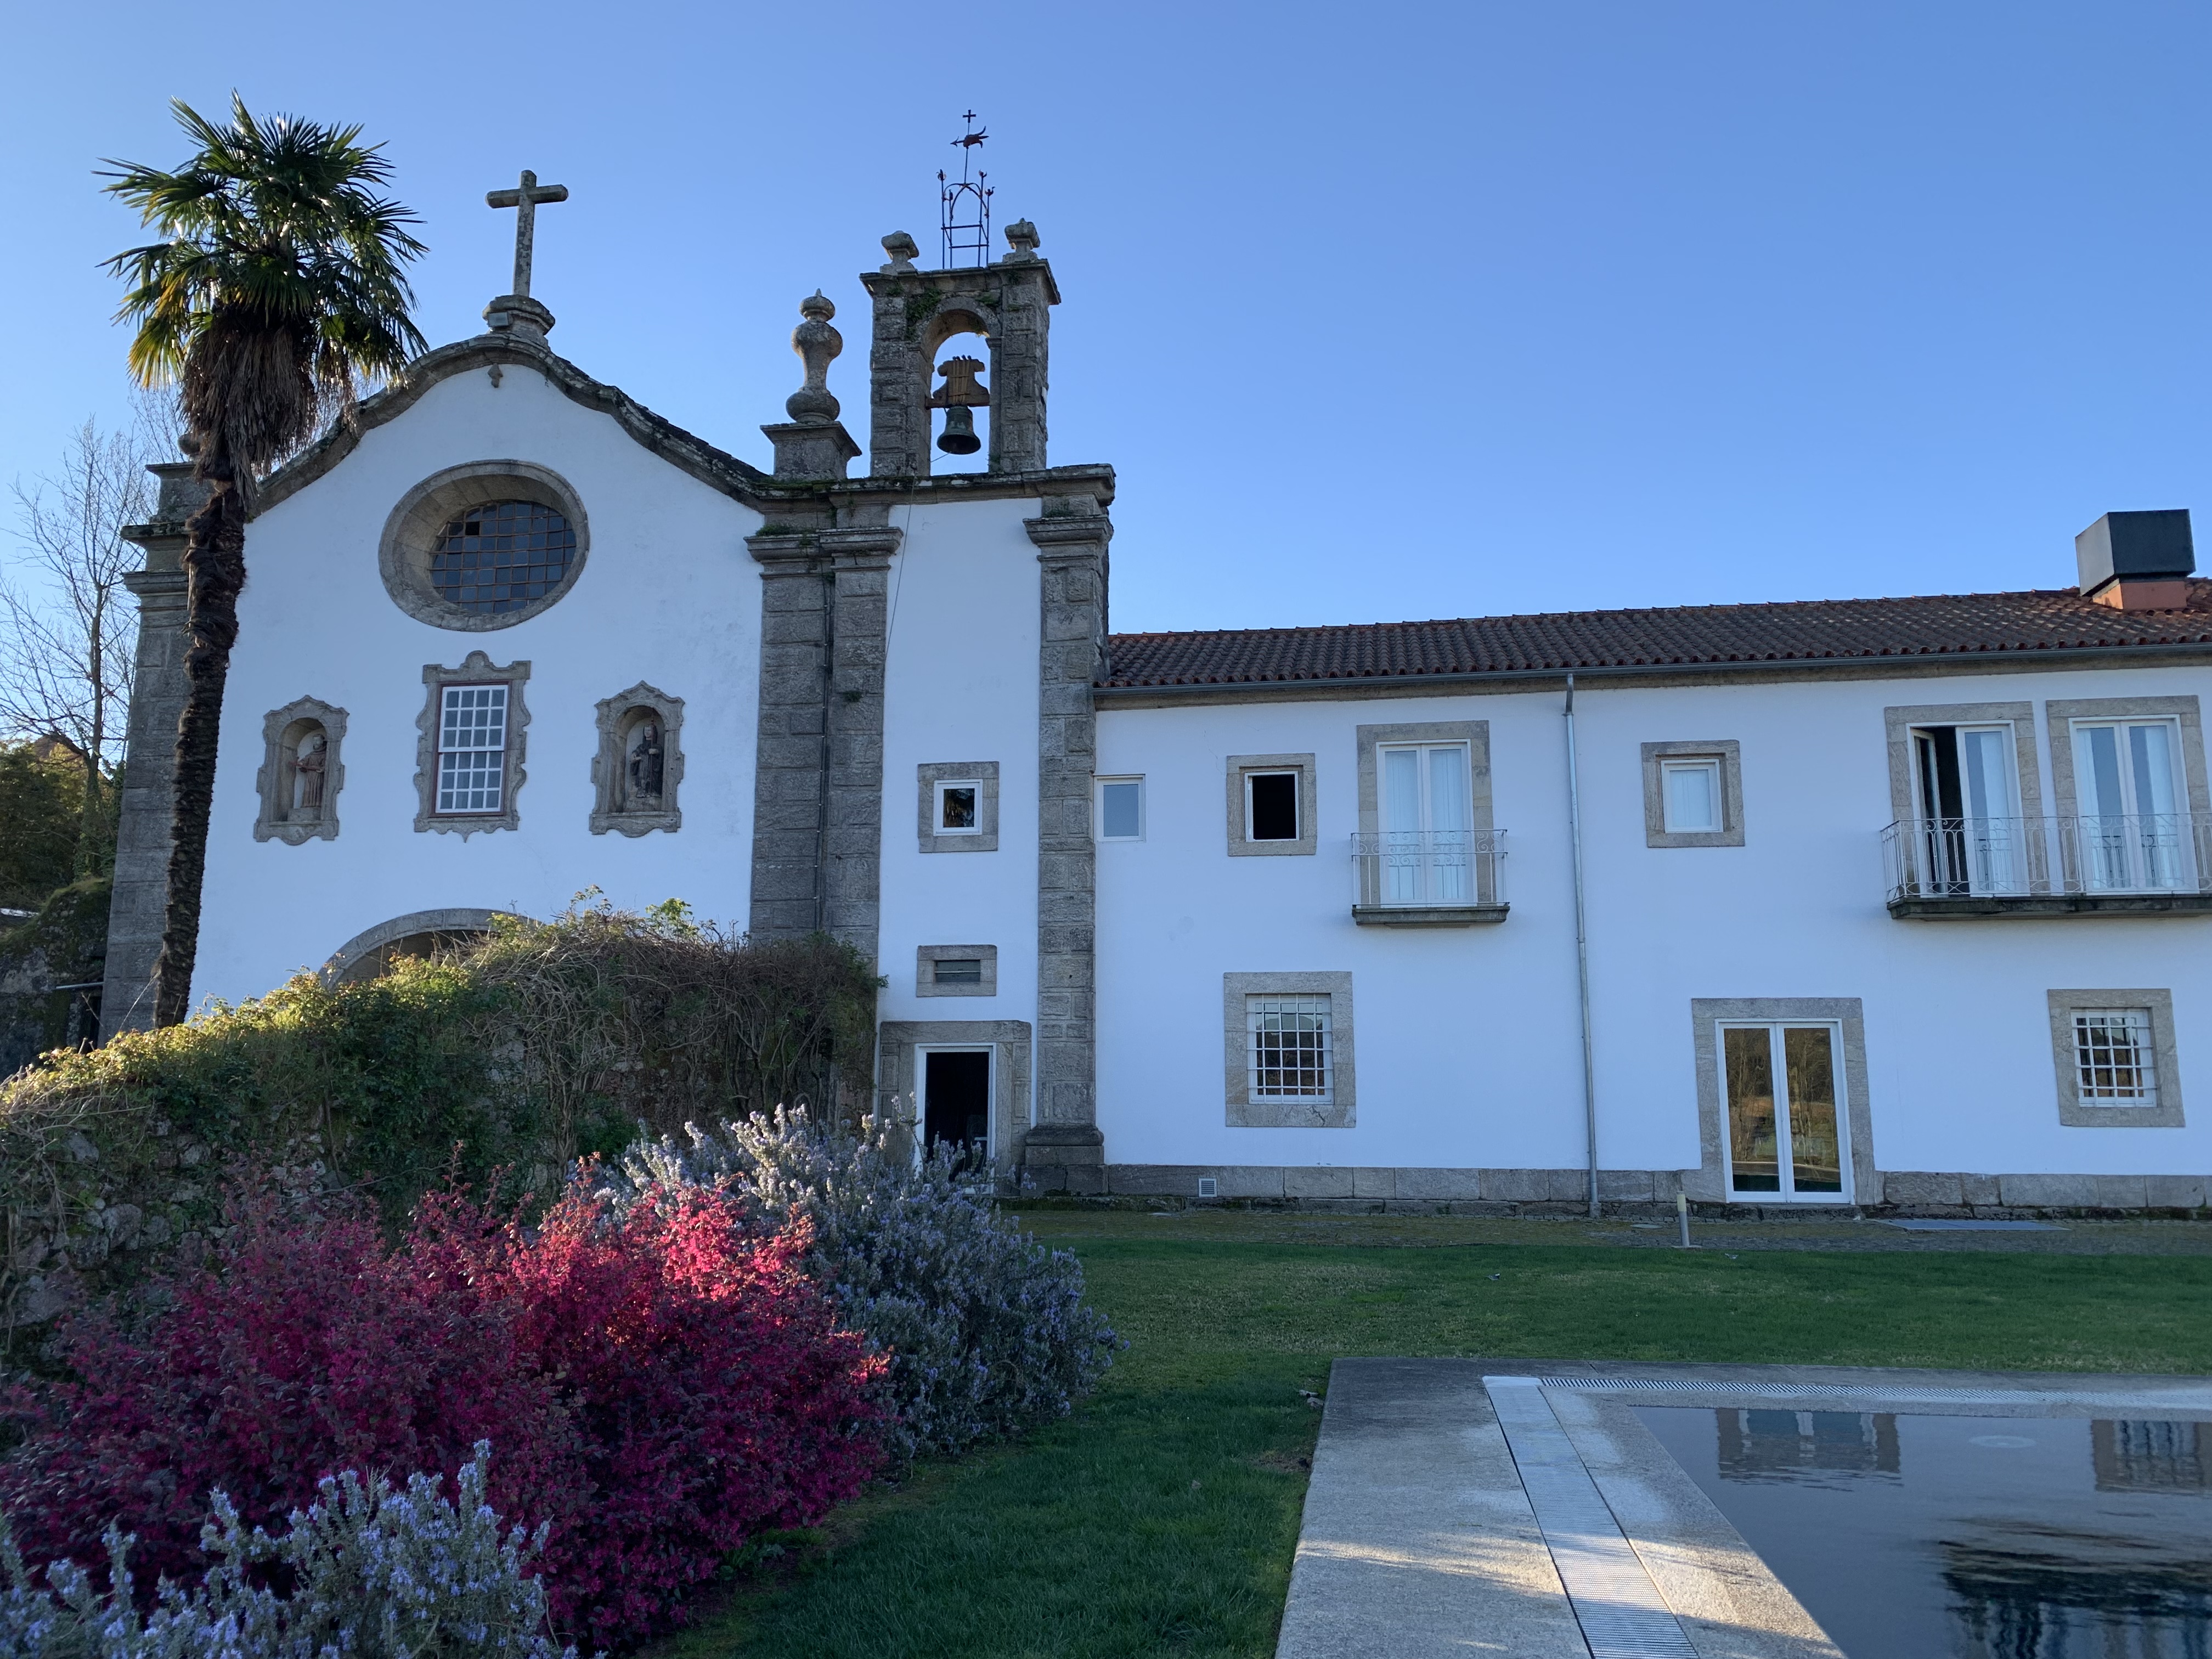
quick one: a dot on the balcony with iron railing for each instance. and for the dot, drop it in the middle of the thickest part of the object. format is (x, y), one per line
(2153, 863)
(1428, 878)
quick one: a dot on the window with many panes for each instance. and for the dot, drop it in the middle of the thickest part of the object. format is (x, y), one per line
(2115, 1062)
(472, 749)
(1289, 1047)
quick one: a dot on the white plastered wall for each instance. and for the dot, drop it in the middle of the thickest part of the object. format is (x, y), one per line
(961, 684)
(1468, 1044)
(668, 595)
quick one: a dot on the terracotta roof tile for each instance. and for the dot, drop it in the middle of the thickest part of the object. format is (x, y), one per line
(1966, 624)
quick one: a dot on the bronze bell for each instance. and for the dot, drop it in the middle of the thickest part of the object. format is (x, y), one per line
(959, 437)
(961, 393)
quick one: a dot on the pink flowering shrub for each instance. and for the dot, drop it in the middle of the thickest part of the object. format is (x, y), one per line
(658, 1385)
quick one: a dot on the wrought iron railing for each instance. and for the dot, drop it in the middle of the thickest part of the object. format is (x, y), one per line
(2147, 852)
(1429, 869)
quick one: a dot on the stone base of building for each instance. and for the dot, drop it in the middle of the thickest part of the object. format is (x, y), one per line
(1905, 1194)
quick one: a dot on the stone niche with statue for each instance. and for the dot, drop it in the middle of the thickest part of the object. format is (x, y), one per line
(301, 774)
(639, 763)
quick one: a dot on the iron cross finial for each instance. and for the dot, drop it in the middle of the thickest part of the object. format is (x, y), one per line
(525, 199)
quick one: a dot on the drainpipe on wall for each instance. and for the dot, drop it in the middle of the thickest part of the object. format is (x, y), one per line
(1582, 951)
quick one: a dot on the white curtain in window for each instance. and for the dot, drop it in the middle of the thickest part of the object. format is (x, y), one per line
(2131, 830)
(1427, 815)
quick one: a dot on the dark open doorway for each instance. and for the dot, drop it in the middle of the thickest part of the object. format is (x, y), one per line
(956, 1095)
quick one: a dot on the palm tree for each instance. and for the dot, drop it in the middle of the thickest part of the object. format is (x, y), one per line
(278, 288)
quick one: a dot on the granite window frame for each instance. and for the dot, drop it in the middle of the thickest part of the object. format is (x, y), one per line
(1241, 844)
(984, 838)
(2075, 1113)
(615, 724)
(2059, 714)
(272, 820)
(412, 529)
(1897, 724)
(1241, 1110)
(1728, 752)
(898, 1042)
(1475, 734)
(475, 669)
(1708, 1182)
(926, 956)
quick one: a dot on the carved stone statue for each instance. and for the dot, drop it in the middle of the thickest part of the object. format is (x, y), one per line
(309, 762)
(645, 766)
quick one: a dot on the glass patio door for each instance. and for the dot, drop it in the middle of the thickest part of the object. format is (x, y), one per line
(1971, 835)
(1427, 855)
(1784, 1134)
(2134, 838)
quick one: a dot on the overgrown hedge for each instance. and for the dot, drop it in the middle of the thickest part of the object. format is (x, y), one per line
(539, 1044)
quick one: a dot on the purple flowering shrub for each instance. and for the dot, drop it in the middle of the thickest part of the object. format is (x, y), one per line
(986, 1331)
(367, 1571)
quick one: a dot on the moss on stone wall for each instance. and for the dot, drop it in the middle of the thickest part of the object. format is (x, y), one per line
(63, 944)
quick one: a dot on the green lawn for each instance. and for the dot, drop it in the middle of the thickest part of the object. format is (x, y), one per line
(1161, 1518)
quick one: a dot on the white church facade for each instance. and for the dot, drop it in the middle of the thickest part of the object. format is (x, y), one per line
(1874, 904)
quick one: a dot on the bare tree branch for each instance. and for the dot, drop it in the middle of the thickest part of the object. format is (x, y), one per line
(65, 623)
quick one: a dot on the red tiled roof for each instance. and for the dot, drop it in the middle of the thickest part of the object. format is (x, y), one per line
(1742, 635)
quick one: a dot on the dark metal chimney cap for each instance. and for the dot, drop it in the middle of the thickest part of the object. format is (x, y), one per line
(2144, 545)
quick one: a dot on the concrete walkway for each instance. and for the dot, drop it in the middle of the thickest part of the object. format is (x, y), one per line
(1462, 1507)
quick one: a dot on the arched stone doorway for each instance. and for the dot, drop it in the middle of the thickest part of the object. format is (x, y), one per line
(374, 951)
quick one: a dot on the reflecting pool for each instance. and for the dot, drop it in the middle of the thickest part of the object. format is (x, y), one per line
(1925, 1537)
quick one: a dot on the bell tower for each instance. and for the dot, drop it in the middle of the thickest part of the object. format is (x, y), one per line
(917, 311)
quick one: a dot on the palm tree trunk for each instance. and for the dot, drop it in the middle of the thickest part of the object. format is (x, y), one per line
(215, 568)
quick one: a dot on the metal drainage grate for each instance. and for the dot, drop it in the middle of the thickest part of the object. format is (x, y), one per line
(1874, 1398)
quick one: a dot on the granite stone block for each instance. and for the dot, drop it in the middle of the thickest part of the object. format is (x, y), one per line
(1919, 1187)
(2048, 1191)
(2173, 1192)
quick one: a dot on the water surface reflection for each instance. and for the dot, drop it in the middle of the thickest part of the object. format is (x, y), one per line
(1914, 1537)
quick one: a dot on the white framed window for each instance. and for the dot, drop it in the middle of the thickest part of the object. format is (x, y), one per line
(1689, 794)
(1970, 834)
(1120, 807)
(1785, 1135)
(1289, 1052)
(958, 807)
(1426, 810)
(2115, 1058)
(471, 748)
(2135, 832)
(1271, 806)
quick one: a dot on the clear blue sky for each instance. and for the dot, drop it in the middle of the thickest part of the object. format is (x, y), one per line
(1382, 311)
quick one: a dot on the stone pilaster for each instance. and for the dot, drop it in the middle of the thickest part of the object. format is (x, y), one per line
(1064, 1148)
(818, 791)
(148, 803)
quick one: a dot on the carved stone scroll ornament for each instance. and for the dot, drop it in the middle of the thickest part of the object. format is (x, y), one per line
(300, 773)
(639, 763)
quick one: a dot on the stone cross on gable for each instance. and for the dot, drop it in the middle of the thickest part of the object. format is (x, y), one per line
(526, 198)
